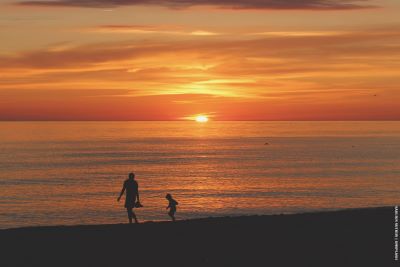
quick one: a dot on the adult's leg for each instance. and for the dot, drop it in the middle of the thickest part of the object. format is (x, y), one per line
(130, 212)
(134, 216)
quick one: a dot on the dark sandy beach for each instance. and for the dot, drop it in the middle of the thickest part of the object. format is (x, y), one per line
(360, 237)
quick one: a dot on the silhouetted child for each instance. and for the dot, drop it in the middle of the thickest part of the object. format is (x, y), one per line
(171, 206)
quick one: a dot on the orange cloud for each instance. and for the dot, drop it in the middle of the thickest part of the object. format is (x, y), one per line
(352, 75)
(150, 29)
(231, 4)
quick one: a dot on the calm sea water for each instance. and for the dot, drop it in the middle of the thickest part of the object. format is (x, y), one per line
(55, 173)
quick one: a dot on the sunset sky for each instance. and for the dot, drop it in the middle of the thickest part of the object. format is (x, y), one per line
(225, 59)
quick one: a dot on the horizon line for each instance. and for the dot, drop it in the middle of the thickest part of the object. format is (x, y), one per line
(389, 120)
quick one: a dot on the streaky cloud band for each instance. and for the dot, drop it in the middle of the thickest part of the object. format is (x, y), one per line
(225, 4)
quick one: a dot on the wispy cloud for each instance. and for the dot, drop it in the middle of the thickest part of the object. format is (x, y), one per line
(196, 77)
(298, 33)
(150, 29)
(230, 4)
(112, 28)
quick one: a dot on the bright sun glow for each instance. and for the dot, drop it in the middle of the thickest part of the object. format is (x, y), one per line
(201, 118)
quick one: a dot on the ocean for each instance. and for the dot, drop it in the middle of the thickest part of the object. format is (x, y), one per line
(68, 173)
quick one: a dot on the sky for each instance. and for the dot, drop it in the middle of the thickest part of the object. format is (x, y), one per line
(175, 59)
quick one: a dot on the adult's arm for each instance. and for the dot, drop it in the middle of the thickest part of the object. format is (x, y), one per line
(122, 192)
(137, 193)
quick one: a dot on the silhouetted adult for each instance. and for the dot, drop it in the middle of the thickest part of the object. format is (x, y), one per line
(132, 194)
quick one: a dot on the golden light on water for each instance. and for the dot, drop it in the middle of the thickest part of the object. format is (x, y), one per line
(201, 118)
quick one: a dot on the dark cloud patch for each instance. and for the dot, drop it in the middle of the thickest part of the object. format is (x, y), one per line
(229, 4)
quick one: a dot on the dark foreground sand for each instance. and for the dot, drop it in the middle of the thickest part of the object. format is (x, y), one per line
(363, 237)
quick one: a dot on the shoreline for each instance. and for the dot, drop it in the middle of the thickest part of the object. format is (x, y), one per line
(210, 218)
(328, 238)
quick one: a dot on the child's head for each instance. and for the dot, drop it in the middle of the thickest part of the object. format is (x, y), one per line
(168, 196)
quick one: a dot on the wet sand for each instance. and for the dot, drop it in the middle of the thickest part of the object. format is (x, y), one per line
(358, 237)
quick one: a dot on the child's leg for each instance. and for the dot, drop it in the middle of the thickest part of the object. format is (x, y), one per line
(171, 214)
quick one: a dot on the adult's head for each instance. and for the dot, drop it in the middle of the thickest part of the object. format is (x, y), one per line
(132, 176)
(168, 196)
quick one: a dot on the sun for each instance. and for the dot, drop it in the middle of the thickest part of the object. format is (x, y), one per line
(201, 118)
